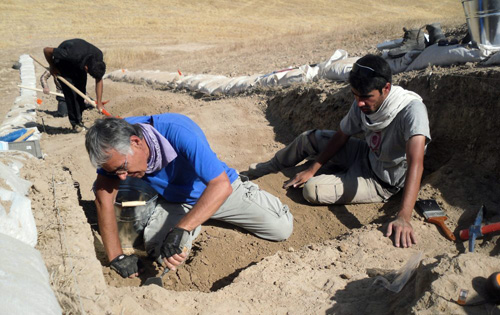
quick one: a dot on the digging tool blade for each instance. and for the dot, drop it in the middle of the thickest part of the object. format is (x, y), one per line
(157, 280)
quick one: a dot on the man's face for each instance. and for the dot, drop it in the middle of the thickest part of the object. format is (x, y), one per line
(369, 103)
(133, 165)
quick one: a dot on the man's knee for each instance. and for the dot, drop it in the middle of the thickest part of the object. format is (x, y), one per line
(281, 228)
(317, 193)
(309, 193)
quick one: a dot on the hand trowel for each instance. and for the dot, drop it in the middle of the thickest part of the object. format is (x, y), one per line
(157, 280)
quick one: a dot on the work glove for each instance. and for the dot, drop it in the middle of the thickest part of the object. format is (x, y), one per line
(175, 242)
(126, 265)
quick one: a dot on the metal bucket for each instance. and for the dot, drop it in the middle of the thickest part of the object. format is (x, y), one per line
(483, 20)
(132, 220)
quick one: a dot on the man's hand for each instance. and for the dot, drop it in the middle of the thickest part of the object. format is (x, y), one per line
(100, 106)
(299, 179)
(46, 90)
(403, 232)
(173, 249)
(127, 265)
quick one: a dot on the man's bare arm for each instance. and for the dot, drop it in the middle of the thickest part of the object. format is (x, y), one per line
(217, 191)
(98, 92)
(338, 140)
(415, 150)
(105, 190)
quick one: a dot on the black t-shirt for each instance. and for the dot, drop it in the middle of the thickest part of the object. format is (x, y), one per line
(72, 55)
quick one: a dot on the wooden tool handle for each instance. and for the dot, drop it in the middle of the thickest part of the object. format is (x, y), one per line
(133, 203)
(439, 221)
(40, 90)
(26, 135)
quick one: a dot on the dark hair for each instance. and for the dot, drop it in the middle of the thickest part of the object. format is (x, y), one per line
(96, 69)
(370, 73)
(107, 134)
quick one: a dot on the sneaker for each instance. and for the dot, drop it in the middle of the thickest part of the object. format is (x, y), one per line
(256, 170)
(79, 128)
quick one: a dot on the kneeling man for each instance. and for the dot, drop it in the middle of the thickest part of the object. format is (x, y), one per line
(172, 154)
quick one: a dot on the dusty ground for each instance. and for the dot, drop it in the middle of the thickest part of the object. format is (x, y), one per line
(327, 265)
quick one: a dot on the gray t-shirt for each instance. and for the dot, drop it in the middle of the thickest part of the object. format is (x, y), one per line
(388, 146)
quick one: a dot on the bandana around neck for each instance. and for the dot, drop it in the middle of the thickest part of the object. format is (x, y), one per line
(161, 151)
(397, 99)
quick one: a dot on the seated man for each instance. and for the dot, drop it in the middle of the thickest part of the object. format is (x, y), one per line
(395, 126)
(172, 154)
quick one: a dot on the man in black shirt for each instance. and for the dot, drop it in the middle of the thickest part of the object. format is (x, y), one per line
(73, 59)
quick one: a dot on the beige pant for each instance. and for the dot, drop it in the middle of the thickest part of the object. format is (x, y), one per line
(347, 178)
(248, 207)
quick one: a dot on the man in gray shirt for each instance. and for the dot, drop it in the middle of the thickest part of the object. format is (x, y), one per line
(395, 127)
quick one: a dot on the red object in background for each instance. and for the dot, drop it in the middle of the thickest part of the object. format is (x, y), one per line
(485, 229)
(106, 113)
(39, 101)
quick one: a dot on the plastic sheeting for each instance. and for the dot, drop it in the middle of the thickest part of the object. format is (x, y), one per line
(17, 220)
(24, 280)
(23, 113)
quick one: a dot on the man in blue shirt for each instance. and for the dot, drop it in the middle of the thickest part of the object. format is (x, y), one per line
(172, 154)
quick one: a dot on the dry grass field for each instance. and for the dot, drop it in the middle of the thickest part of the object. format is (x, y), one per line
(133, 33)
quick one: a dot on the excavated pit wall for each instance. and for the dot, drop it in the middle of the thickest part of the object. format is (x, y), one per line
(463, 106)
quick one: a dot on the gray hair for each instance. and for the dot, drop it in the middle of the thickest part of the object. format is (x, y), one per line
(108, 134)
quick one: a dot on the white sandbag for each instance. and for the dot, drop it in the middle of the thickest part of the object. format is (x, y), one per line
(24, 280)
(9, 171)
(273, 78)
(291, 77)
(215, 85)
(17, 221)
(240, 84)
(493, 59)
(336, 68)
(401, 64)
(445, 56)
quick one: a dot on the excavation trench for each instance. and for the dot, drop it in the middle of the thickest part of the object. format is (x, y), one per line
(461, 102)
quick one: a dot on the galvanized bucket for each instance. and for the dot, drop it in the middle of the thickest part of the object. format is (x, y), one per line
(132, 219)
(483, 20)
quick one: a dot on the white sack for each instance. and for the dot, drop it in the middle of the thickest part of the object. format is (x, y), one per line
(493, 59)
(17, 221)
(445, 56)
(401, 64)
(24, 280)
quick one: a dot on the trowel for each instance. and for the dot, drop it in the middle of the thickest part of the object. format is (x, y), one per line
(157, 280)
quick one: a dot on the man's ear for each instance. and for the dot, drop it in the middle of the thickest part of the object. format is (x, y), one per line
(135, 141)
(386, 89)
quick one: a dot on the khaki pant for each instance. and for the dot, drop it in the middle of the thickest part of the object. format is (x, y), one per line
(248, 207)
(347, 178)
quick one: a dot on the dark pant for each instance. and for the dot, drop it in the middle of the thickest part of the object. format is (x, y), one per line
(62, 108)
(75, 102)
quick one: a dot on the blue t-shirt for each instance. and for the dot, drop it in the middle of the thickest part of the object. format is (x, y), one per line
(185, 178)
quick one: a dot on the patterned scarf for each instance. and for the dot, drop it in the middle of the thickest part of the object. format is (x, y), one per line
(161, 151)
